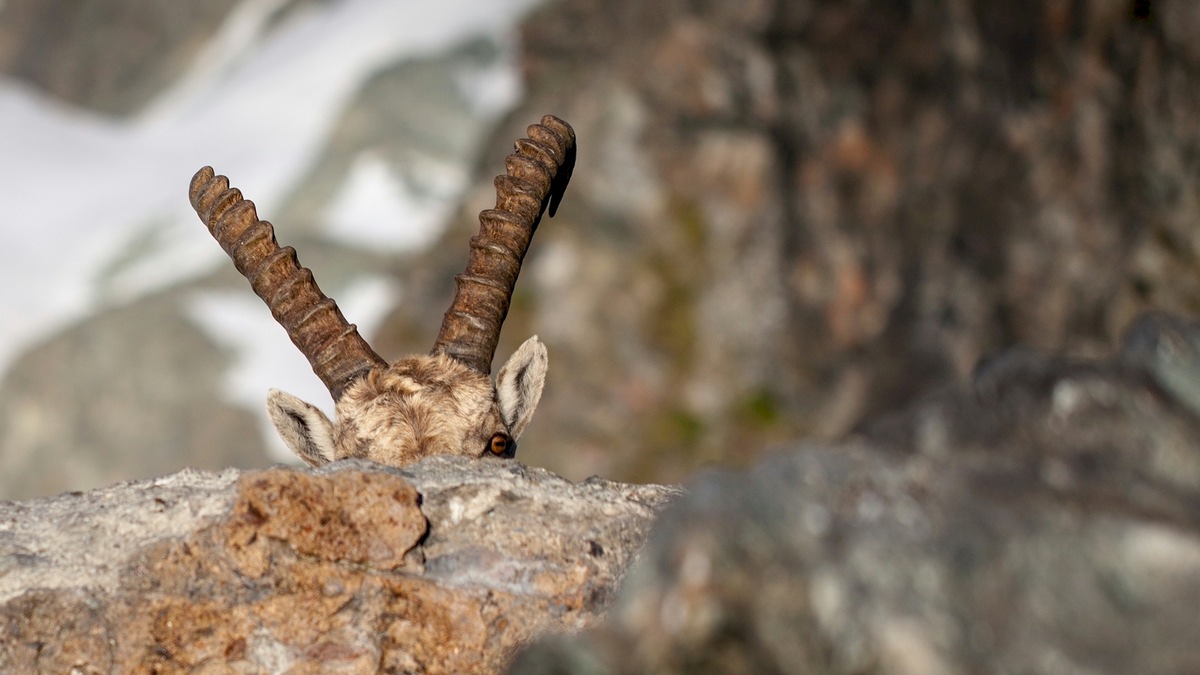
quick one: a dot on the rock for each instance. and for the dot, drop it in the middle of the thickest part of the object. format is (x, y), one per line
(133, 393)
(109, 56)
(1043, 518)
(442, 567)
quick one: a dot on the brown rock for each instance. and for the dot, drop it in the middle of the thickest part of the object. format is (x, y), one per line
(357, 568)
(357, 517)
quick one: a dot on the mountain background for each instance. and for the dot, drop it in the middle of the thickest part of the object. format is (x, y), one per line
(788, 217)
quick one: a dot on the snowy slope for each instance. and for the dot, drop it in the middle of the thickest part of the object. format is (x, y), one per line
(80, 190)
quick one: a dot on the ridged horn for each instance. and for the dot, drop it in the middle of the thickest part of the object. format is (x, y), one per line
(332, 345)
(537, 176)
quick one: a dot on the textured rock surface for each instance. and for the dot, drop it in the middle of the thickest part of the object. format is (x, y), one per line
(93, 53)
(790, 217)
(75, 413)
(1044, 518)
(443, 567)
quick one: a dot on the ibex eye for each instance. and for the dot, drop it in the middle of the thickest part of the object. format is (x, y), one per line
(500, 444)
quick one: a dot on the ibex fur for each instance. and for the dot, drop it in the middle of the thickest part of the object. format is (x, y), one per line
(443, 403)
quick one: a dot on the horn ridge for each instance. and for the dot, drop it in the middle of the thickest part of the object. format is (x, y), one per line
(536, 175)
(332, 345)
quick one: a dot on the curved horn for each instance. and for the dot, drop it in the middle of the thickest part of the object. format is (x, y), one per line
(338, 354)
(537, 176)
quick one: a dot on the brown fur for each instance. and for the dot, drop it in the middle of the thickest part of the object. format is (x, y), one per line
(418, 406)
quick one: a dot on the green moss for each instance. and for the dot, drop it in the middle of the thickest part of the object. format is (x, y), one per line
(682, 272)
(673, 438)
(673, 327)
(522, 300)
(689, 219)
(759, 411)
(685, 428)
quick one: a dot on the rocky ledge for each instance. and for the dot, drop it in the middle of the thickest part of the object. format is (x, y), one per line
(442, 567)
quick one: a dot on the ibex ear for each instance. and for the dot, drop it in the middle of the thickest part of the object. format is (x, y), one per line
(519, 385)
(303, 427)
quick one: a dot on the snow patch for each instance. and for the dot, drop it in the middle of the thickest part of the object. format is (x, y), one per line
(233, 43)
(79, 187)
(492, 89)
(264, 357)
(378, 209)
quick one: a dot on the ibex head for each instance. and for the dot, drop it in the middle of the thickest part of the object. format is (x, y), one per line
(443, 403)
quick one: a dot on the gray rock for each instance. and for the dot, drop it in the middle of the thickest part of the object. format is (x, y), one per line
(1044, 518)
(113, 57)
(444, 566)
(135, 392)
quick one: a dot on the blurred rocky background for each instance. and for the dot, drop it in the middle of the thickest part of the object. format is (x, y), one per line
(1041, 518)
(788, 217)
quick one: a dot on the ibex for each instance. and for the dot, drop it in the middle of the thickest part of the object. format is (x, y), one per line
(441, 403)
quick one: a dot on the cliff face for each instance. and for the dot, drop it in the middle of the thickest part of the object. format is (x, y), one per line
(443, 567)
(790, 217)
